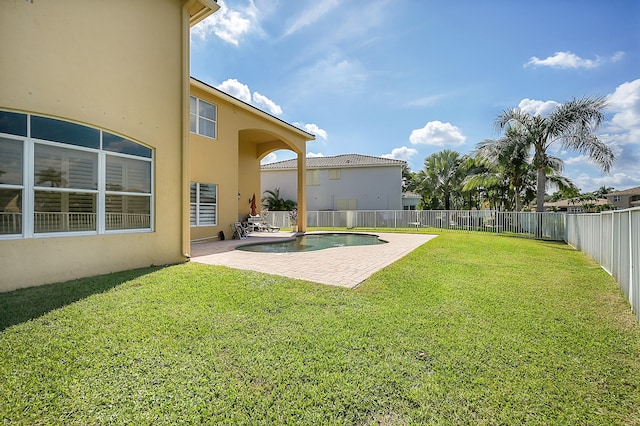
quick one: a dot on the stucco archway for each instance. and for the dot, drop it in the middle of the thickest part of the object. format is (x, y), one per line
(253, 145)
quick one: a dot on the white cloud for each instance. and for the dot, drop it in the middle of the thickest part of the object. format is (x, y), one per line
(438, 134)
(313, 154)
(271, 106)
(580, 159)
(236, 89)
(269, 158)
(313, 129)
(241, 91)
(312, 15)
(402, 153)
(534, 107)
(625, 103)
(229, 25)
(427, 100)
(335, 74)
(619, 181)
(570, 60)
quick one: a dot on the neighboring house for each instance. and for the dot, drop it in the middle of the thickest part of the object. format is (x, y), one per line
(577, 206)
(625, 199)
(410, 200)
(342, 182)
(99, 168)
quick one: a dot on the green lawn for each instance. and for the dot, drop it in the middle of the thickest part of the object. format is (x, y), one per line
(467, 329)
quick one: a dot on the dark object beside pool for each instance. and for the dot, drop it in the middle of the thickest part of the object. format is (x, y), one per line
(312, 242)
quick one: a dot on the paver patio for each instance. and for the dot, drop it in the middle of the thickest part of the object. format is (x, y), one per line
(339, 266)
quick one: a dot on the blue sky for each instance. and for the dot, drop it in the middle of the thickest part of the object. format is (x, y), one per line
(407, 78)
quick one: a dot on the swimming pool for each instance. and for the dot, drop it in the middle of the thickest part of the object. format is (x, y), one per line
(311, 242)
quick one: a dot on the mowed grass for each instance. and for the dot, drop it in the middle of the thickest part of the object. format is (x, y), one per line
(467, 329)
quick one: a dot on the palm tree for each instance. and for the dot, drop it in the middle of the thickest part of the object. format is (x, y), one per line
(442, 176)
(508, 162)
(272, 201)
(572, 125)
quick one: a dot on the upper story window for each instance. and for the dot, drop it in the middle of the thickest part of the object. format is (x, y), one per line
(202, 117)
(334, 174)
(313, 177)
(58, 177)
(617, 198)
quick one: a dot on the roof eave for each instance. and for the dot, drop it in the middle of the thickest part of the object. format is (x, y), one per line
(200, 9)
(248, 107)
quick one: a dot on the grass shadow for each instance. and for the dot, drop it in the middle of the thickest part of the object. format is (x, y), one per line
(24, 304)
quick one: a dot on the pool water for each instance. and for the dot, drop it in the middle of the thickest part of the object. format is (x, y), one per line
(311, 242)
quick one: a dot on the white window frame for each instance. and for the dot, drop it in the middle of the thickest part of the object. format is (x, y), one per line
(29, 187)
(197, 205)
(21, 187)
(196, 114)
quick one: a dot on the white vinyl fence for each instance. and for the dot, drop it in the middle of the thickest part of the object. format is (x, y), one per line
(613, 240)
(548, 226)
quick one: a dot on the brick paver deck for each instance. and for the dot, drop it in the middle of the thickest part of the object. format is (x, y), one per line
(339, 266)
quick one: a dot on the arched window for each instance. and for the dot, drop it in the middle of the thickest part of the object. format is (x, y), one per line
(64, 178)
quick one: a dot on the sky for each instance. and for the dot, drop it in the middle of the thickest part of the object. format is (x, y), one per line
(407, 78)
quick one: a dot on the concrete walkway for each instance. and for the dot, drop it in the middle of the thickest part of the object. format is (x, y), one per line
(339, 266)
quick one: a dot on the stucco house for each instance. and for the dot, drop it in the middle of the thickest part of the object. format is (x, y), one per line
(625, 199)
(342, 182)
(107, 157)
(225, 155)
(410, 200)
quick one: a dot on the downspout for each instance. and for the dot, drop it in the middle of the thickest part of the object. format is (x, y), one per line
(185, 217)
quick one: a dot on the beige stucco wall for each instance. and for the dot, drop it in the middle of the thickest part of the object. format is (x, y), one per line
(232, 161)
(117, 65)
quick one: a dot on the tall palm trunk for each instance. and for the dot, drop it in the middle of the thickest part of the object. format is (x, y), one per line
(540, 187)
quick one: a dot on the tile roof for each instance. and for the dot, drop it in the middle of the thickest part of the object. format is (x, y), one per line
(338, 161)
(409, 194)
(630, 191)
(576, 203)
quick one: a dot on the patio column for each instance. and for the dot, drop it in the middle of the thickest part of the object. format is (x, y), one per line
(302, 192)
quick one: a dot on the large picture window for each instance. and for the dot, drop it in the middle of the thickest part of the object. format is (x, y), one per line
(202, 117)
(11, 186)
(204, 206)
(58, 177)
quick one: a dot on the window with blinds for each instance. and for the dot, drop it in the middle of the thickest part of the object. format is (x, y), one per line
(11, 185)
(74, 179)
(204, 206)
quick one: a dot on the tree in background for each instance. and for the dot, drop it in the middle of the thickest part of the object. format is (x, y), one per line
(505, 166)
(572, 125)
(273, 201)
(441, 178)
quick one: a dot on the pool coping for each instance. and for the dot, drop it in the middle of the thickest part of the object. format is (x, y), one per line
(338, 266)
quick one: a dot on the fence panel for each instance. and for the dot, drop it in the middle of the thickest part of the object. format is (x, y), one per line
(613, 240)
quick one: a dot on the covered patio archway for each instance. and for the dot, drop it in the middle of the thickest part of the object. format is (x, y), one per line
(253, 145)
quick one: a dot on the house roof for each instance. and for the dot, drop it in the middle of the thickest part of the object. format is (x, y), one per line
(576, 203)
(335, 162)
(409, 194)
(630, 191)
